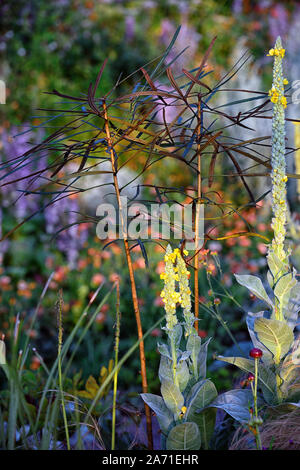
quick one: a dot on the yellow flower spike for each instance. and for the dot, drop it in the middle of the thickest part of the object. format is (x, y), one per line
(185, 292)
(283, 101)
(276, 52)
(185, 252)
(169, 294)
(278, 162)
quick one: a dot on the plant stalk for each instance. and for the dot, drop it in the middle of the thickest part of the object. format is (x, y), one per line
(198, 205)
(117, 341)
(131, 275)
(60, 337)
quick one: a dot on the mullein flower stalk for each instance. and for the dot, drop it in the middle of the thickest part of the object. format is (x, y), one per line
(176, 291)
(278, 174)
(185, 294)
(170, 298)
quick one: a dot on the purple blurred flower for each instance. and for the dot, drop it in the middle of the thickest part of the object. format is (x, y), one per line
(278, 22)
(237, 7)
(15, 167)
(129, 28)
(188, 37)
(168, 111)
(64, 213)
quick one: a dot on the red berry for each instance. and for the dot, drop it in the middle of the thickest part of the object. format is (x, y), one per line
(256, 353)
(251, 377)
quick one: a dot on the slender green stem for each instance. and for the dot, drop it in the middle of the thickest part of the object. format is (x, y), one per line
(117, 342)
(255, 385)
(257, 433)
(218, 317)
(118, 367)
(174, 358)
(60, 336)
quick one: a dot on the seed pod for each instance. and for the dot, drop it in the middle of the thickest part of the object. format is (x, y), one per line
(256, 353)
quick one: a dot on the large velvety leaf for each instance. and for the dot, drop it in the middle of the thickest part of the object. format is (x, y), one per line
(200, 396)
(185, 436)
(291, 312)
(276, 335)
(164, 350)
(182, 374)
(206, 422)
(177, 334)
(276, 267)
(202, 358)
(193, 345)
(163, 414)
(255, 285)
(242, 347)
(165, 372)
(236, 403)
(172, 396)
(267, 357)
(289, 373)
(282, 290)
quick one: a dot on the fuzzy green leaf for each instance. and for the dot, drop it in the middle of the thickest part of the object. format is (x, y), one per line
(182, 374)
(282, 291)
(200, 396)
(255, 285)
(185, 436)
(206, 422)
(163, 414)
(276, 335)
(266, 378)
(202, 358)
(267, 357)
(236, 403)
(276, 267)
(291, 312)
(193, 345)
(172, 396)
(165, 372)
(164, 350)
(165, 369)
